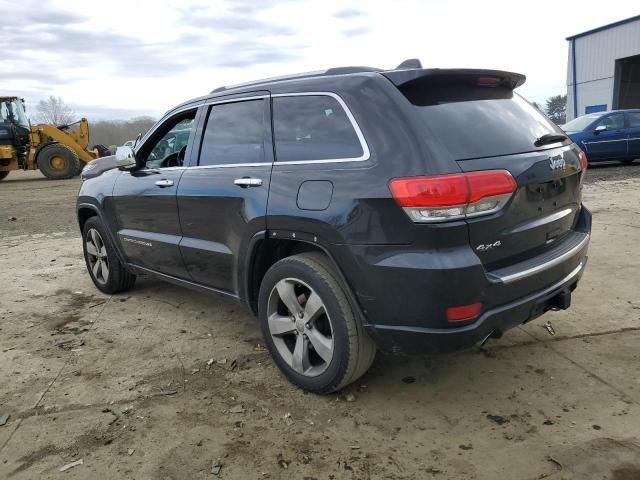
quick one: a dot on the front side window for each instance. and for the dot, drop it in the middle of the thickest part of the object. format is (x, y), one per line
(167, 148)
(612, 122)
(234, 133)
(580, 123)
(313, 127)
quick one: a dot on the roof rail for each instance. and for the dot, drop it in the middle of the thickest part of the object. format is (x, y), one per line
(296, 76)
(406, 65)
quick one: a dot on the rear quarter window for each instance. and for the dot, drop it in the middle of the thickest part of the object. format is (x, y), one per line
(313, 127)
(634, 119)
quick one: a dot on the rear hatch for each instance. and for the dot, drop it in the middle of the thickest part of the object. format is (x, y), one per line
(475, 119)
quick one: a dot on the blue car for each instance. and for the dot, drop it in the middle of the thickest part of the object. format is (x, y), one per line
(607, 135)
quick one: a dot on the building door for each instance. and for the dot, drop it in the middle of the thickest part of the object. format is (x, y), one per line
(627, 94)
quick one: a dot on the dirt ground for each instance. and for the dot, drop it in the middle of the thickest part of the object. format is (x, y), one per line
(166, 383)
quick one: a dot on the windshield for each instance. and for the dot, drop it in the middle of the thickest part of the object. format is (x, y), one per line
(580, 123)
(467, 122)
(12, 111)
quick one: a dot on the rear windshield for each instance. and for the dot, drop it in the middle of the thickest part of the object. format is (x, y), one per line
(472, 122)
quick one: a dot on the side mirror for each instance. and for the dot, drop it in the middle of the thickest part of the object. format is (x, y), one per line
(600, 128)
(125, 157)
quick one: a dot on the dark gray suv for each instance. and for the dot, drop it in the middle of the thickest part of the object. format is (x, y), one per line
(412, 210)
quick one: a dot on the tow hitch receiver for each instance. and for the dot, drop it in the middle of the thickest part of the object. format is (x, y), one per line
(561, 301)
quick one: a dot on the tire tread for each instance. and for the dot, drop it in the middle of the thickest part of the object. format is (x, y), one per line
(362, 349)
(122, 279)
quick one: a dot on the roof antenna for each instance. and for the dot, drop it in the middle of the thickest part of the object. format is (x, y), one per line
(410, 63)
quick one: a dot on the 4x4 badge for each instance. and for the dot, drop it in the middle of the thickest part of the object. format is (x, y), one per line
(556, 162)
(489, 246)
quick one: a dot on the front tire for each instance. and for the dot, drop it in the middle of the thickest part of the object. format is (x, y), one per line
(309, 325)
(105, 269)
(3, 174)
(58, 162)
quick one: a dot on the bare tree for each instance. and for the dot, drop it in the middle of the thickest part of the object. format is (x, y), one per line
(53, 110)
(116, 132)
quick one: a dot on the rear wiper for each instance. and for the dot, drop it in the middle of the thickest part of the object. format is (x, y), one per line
(549, 138)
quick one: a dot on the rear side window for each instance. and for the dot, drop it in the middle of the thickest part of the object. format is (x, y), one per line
(313, 127)
(234, 133)
(465, 121)
(634, 119)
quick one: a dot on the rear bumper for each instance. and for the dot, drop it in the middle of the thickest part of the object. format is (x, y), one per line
(419, 340)
(404, 291)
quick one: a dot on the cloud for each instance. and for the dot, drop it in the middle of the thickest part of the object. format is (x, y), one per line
(251, 7)
(354, 32)
(242, 53)
(97, 112)
(349, 13)
(37, 13)
(238, 23)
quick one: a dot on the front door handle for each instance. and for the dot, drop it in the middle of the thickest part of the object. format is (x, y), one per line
(248, 182)
(164, 183)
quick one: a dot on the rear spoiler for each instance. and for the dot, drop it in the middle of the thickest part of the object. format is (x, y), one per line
(403, 77)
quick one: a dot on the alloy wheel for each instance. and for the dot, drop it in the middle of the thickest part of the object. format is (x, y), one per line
(97, 256)
(300, 327)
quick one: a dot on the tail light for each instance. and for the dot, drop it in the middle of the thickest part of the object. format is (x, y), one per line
(488, 81)
(449, 197)
(583, 161)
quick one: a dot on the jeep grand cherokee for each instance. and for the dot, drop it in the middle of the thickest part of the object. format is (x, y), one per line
(411, 210)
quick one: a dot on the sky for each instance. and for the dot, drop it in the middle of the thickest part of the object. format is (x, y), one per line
(118, 59)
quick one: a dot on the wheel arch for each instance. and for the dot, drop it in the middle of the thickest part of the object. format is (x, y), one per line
(84, 212)
(264, 251)
(39, 148)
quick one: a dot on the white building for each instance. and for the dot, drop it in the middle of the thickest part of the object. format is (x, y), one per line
(604, 68)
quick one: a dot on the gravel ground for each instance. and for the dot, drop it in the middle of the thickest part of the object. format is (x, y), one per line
(166, 383)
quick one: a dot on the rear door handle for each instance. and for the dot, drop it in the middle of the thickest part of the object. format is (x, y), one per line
(248, 182)
(164, 183)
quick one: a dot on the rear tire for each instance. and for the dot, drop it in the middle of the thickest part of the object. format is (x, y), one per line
(108, 274)
(3, 174)
(336, 350)
(58, 162)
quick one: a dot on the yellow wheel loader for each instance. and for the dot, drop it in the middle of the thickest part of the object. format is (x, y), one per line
(58, 151)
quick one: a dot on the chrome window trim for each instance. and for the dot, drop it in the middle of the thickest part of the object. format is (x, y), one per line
(203, 167)
(366, 154)
(192, 107)
(230, 165)
(160, 169)
(233, 100)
